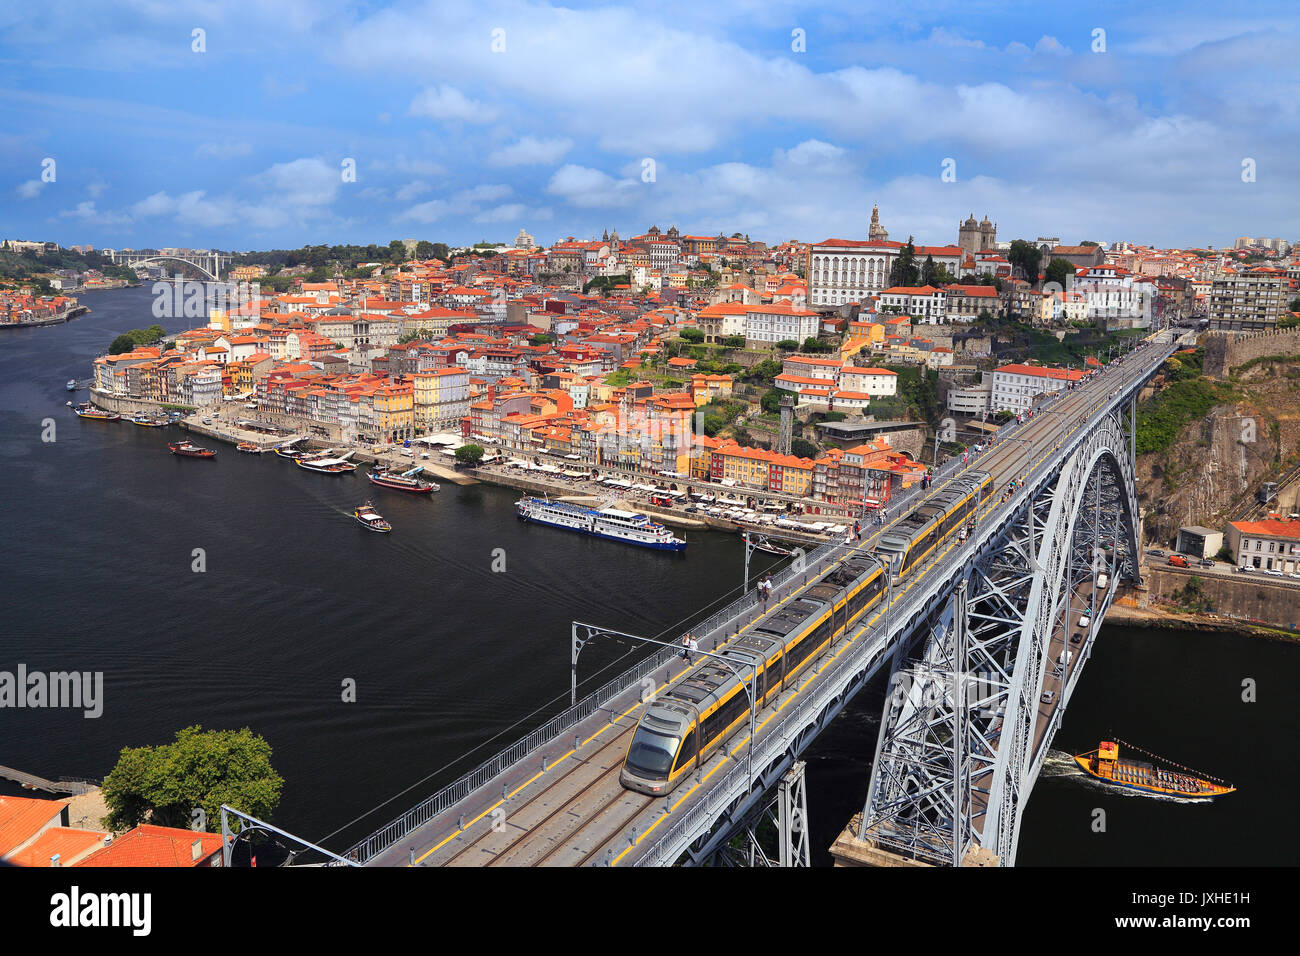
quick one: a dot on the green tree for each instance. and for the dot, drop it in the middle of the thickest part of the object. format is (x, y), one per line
(424, 249)
(771, 400)
(787, 345)
(199, 770)
(814, 344)
(542, 338)
(397, 251)
(929, 271)
(469, 454)
(904, 271)
(802, 448)
(1058, 270)
(691, 335)
(764, 371)
(1025, 256)
(734, 342)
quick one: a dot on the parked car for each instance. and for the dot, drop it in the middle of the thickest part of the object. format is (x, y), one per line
(1243, 568)
(1178, 561)
(1155, 553)
(1274, 572)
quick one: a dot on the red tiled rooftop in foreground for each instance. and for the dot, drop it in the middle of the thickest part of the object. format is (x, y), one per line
(22, 817)
(150, 845)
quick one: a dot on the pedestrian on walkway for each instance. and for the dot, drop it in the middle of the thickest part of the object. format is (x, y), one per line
(691, 647)
(686, 647)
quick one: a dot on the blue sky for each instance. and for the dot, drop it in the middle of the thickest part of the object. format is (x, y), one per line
(470, 121)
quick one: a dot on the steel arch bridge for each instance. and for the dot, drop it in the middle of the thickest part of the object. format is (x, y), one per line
(985, 642)
(968, 722)
(211, 264)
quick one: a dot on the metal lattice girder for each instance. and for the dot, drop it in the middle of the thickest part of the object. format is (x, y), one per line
(958, 753)
(782, 819)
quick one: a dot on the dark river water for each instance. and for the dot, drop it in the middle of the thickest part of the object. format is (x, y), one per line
(101, 525)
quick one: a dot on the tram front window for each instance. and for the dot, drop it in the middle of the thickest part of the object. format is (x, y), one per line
(651, 754)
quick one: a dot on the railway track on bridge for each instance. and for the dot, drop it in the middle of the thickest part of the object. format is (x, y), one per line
(575, 811)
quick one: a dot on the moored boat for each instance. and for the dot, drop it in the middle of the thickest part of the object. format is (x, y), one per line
(87, 410)
(407, 481)
(187, 449)
(370, 519)
(143, 420)
(250, 448)
(610, 523)
(324, 463)
(72, 385)
(1106, 765)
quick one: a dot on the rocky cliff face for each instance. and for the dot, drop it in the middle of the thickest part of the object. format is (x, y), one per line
(1210, 474)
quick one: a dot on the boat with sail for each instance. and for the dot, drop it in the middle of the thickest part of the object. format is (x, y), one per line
(1155, 776)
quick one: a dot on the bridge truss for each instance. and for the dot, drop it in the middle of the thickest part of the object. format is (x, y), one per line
(964, 731)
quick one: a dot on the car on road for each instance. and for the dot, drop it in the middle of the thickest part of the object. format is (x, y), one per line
(1102, 581)
(1205, 563)
(1274, 572)
(1243, 568)
(1076, 637)
(1155, 553)
(1178, 561)
(1085, 620)
(1048, 697)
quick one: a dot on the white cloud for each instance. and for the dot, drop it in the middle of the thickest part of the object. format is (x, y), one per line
(530, 151)
(303, 182)
(590, 188)
(510, 212)
(448, 103)
(86, 212)
(411, 190)
(30, 189)
(1052, 46)
(426, 212)
(96, 188)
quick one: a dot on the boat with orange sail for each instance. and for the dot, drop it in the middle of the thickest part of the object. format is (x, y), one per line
(1165, 777)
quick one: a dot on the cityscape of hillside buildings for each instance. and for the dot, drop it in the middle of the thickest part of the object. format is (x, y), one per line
(608, 351)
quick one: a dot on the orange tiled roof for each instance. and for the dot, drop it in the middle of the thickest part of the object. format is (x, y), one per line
(149, 845)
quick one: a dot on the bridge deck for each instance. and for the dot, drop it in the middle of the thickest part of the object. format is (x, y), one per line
(564, 806)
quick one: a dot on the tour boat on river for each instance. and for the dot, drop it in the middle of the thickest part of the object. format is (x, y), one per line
(187, 449)
(406, 481)
(87, 410)
(370, 519)
(1173, 780)
(324, 463)
(611, 523)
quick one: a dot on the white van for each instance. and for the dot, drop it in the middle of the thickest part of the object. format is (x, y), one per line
(1102, 581)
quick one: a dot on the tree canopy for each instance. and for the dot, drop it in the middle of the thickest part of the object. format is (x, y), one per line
(1025, 256)
(469, 454)
(199, 770)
